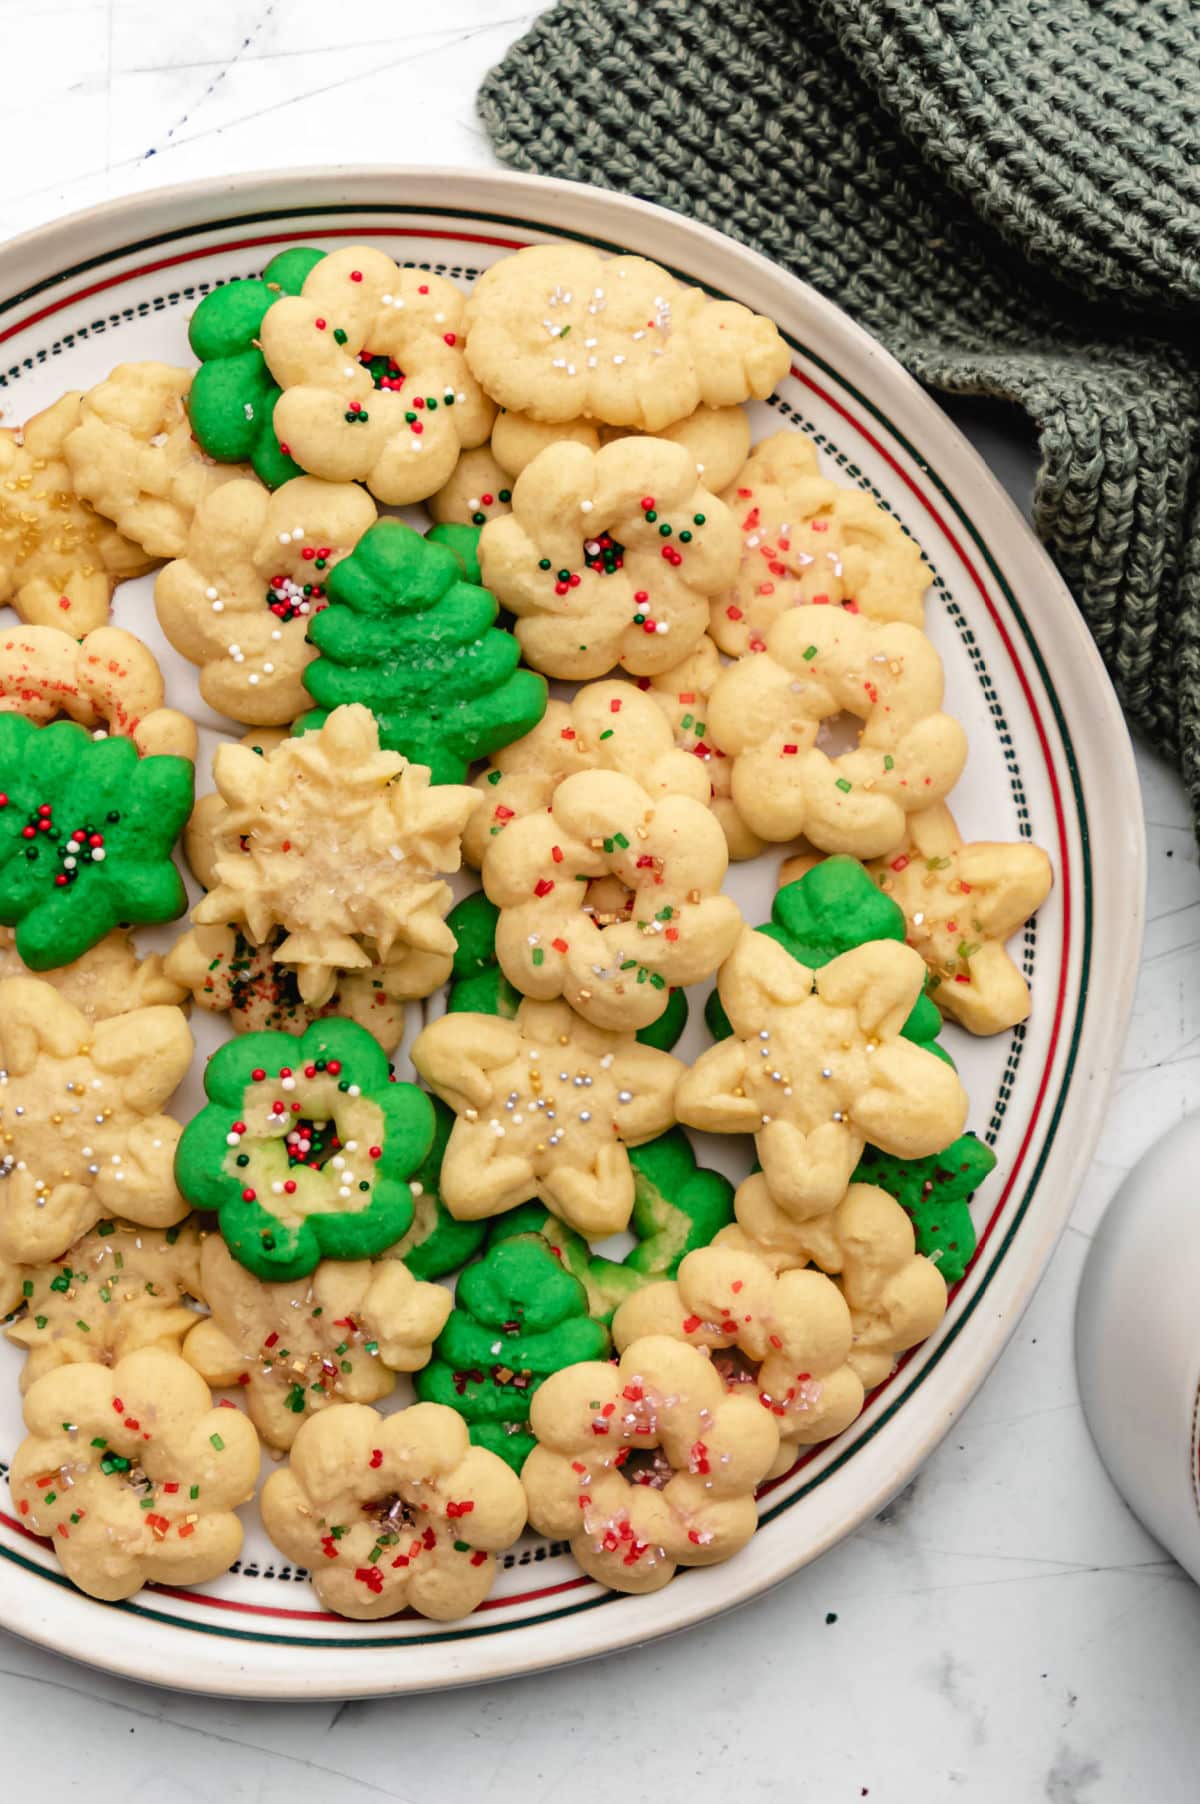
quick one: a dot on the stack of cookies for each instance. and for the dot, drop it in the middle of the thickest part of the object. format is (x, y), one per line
(320, 1238)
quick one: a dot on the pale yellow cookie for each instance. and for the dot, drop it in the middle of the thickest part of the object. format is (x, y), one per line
(671, 925)
(338, 843)
(961, 902)
(79, 1104)
(238, 603)
(339, 1335)
(766, 712)
(793, 1331)
(109, 681)
(609, 557)
(606, 726)
(648, 1464)
(718, 439)
(109, 979)
(132, 1475)
(561, 333)
(547, 1105)
(133, 456)
(806, 541)
(119, 1288)
(682, 695)
(394, 1512)
(375, 386)
(59, 559)
(895, 1295)
(478, 490)
(816, 1066)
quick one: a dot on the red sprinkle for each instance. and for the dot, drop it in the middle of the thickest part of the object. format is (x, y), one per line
(376, 1459)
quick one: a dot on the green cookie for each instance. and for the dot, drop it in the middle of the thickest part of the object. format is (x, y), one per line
(305, 1148)
(518, 1317)
(830, 910)
(606, 1282)
(86, 833)
(405, 634)
(233, 393)
(935, 1192)
(463, 542)
(436, 1243)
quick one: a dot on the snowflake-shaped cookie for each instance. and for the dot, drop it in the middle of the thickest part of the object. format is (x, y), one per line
(816, 1067)
(375, 386)
(108, 680)
(560, 332)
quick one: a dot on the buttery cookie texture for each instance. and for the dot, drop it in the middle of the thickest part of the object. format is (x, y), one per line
(108, 681)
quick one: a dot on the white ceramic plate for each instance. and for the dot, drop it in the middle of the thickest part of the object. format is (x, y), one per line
(1050, 759)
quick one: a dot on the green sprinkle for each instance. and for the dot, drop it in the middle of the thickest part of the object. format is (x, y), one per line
(295, 1400)
(39, 1321)
(810, 654)
(539, 957)
(657, 980)
(629, 964)
(50, 1497)
(83, 1327)
(346, 1366)
(462, 1547)
(339, 1350)
(650, 516)
(108, 1227)
(339, 337)
(99, 1441)
(665, 914)
(74, 1515)
(967, 949)
(543, 563)
(685, 538)
(937, 864)
(119, 1261)
(844, 785)
(27, 1288)
(664, 530)
(889, 763)
(607, 733)
(63, 1280)
(372, 1346)
(214, 1440)
(69, 1427)
(564, 331)
(172, 1235)
(145, 1503)
(105, 1294)
(194, 1492)
(608, 845)
(621, 840)
(114, 1462)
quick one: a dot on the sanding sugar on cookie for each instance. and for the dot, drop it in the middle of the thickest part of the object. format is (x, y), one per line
(108, 681)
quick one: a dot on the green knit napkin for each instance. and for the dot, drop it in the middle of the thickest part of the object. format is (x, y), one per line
(1007, 194)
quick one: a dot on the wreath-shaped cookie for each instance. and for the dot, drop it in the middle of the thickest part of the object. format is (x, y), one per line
(132, 1475)
(670, 925)
(375, 387)
(609, 557)
(107, 680)
(647, 1464)
(766, 712)
(682, 695)
(305, 1148)
(394, 1512)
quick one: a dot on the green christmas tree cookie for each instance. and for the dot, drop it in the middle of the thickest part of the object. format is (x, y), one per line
(233, 395)
(435, 1243)
(935, 1192)
(830, 910)
(478, 985)
(86, 833)
(306, 1148)
(518, 1317)
(463, 543)
(405, 634)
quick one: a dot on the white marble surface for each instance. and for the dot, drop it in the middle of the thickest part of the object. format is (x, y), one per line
(1006, 1632)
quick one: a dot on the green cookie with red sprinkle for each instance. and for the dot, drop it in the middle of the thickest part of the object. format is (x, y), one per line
(87, 828)
(934, 1193)
(305, 1149)
(233, 394)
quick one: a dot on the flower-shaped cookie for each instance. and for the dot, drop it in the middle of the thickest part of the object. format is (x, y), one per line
(59, 559)
(339, 1335)
(560, 332)
(793, 1330)
(809, 541)
(109, 679)
(717, 439)
(547, 1105)
(228, 974)
(671, 925)
(343, 846)
(817, 1066)
(609, 557)
(117, 1289)
(86, 833)
(682, 694)
(375, 387)
(108, 979)
(935, 1193)
(394, 1512)
(606, 726)
(896, 1296)
(79, 1104)
(766, 712)
(132, 1475)
(133, 456)
(961, 902)
(239, 602)
(305, 1148)
(647, 1464)
(477, 491)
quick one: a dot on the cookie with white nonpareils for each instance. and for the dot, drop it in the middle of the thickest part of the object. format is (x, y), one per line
(817, 1066)
(613, 956)
(239, 603)
(718, 439)
(647, 1464)
(807, 541)
(478, 490)
(375, 387)
(59, 559)
(561, 333)
(682, 694)
(133, 456)
(766, 712)
(609, 557)
(108, 681)
(547, 1105)
(608, 726)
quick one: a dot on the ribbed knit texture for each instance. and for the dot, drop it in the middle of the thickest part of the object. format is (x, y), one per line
(1007, 192)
